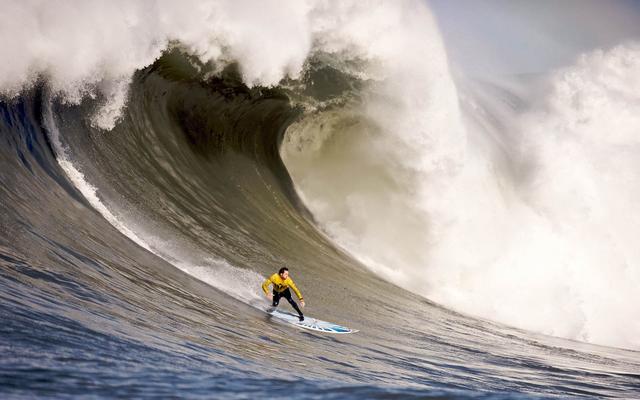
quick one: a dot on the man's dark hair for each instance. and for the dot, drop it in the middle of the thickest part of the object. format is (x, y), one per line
(282, 270)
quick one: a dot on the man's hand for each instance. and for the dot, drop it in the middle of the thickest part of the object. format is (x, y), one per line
(270, 296)
(302, 303)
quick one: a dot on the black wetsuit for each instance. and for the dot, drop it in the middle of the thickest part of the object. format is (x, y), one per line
(287, 295)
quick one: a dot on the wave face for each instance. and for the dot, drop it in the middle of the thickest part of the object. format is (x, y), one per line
(148, 188)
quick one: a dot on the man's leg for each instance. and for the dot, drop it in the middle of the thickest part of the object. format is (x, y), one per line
(287, 295)
(276, 298)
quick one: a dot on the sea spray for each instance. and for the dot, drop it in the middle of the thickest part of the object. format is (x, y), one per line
(533, 228)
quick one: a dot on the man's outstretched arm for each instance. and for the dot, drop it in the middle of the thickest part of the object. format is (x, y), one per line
(297, 292)
(265, 288)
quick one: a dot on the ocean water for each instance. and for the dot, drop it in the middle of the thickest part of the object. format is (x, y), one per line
(159, 161)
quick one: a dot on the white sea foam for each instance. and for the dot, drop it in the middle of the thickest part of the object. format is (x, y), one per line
(542, 237)
(91, 48)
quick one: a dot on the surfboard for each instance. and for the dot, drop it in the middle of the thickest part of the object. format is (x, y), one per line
(310, 323)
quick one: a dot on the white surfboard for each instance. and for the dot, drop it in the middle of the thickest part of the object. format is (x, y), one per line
(311, 323)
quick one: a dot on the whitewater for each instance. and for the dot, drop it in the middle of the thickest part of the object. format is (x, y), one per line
(472, 215)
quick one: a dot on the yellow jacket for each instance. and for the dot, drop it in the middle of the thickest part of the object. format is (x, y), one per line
(280, 285)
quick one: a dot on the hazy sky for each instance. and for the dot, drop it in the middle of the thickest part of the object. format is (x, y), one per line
(515, 36)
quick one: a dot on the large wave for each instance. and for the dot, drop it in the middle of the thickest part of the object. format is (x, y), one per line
(524, 215)
(527, 218)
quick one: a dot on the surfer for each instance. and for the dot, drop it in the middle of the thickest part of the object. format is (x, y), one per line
(281, 284)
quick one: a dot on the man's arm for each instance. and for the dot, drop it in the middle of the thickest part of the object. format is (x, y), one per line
(265, 286)
(295, 289)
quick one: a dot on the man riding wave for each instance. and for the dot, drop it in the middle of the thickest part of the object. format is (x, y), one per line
(281, 283)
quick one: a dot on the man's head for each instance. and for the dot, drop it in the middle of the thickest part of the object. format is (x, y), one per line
(284, 272)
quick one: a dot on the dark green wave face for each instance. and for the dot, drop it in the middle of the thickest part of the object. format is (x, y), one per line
(193, 171)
